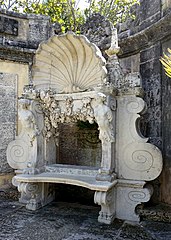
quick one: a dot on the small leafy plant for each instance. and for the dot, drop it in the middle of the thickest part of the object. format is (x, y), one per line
(166, 62)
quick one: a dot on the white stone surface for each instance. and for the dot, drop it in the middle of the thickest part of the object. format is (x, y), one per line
(68, 63)
(136, 159)
(77, 180)
(67, 72)
(129, 195)
(23, 151)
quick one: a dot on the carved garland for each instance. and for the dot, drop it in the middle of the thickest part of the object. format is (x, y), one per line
(54, 115)
(100, 113)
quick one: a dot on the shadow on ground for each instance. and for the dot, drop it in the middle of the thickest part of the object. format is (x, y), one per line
(71, 221)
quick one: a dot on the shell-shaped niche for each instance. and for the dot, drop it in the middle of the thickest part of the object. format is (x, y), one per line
(68, 63)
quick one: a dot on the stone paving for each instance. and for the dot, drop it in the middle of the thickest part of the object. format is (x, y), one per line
(71, 221)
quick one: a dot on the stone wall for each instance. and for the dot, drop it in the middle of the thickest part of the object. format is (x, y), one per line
(79, 144)
(8, 107)
(20, 35)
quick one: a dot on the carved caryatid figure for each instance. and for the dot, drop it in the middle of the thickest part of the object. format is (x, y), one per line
(103, 116)
(27, 120)
(22, 152)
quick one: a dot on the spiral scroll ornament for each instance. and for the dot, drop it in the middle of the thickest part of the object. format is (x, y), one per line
(137, 196)
(17, 154)
(142, 160)
(136, 105)
(32, 188)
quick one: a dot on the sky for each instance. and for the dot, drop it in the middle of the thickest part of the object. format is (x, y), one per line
(82, 4)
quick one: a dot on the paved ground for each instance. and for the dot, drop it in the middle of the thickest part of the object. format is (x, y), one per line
(66, 221)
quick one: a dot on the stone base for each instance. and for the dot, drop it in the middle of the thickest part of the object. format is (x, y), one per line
(129, 195)
(107, 219)
(118, 199)
(106, 177)
(35, 195)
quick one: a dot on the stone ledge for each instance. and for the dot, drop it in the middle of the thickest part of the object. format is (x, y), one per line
(16, 54)
(79, 180)
(154, 33)
(158, 213)
(23, 15)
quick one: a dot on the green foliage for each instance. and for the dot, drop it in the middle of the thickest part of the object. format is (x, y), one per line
(166, 62)
(114, 10)
(68, 14)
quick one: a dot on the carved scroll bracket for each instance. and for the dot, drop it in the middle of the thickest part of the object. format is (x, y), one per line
(131, 194)
(136, 159)
(107, 202)
(22, 152)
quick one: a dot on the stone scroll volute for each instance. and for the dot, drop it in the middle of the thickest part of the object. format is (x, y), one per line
(136, 159)
(22, 152)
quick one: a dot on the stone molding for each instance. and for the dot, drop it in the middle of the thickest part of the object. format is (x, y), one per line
(150, 35)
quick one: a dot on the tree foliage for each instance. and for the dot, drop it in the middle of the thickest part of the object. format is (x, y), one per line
(166, 62)
(67, 12)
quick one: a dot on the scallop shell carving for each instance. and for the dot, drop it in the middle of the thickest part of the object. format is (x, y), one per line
(68, 63)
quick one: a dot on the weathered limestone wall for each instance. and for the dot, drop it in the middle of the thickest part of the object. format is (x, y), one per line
(19, 37)
(20, 69)
(8, 101)
(79, 144)
(149, 36)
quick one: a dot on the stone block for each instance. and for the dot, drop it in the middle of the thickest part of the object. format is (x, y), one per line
(148, 9)
(79, 146)
(153, 52)
(38, 31)
(8, 26)
(130, 64)
(7, 116)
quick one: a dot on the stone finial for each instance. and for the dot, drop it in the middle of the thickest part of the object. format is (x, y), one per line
(114, 48)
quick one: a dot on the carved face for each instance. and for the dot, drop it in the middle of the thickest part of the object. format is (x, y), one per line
(23, 103)
(53, 104)
(101, 98)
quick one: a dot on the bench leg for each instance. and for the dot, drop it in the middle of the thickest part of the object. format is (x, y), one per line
(107, 202)
(35, 195)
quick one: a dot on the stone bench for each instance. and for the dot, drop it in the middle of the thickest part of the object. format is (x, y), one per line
(69, 85)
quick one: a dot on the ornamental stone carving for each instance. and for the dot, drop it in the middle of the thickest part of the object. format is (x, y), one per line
(68, 63)
(131, 194)
(69, 78)
(138, 159)
(106, 200)
(104, 117)
(22, 153)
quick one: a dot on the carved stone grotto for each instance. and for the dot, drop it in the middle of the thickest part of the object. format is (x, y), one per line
(69, 85)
